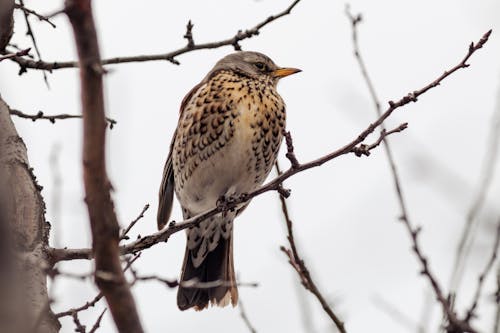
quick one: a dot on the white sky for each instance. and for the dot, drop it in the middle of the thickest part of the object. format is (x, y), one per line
(344, 212)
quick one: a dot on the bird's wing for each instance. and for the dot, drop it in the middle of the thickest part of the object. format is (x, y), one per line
(166, 194)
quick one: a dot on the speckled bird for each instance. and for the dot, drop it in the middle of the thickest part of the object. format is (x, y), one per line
(227, 138)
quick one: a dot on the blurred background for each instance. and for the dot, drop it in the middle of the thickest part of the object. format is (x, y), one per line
(345, 213)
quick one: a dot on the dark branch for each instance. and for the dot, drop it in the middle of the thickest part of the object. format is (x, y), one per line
(300, 267)
(16, 54)
(28, 11)
(98, 322)
(98, 297)
(170, 56)
(132, 224)
(109, 276)
(53, 118)
(30, 33)
(244, 316)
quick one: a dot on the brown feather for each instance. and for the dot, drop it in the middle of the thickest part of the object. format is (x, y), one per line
(217, 266)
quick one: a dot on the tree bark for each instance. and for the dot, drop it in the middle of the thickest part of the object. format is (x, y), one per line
(24, 302)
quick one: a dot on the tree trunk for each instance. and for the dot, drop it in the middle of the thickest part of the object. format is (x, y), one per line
(24, 302)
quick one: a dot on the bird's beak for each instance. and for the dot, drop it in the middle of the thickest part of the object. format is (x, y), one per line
(282, 72)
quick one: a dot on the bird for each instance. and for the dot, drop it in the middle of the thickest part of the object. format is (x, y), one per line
(227, 138)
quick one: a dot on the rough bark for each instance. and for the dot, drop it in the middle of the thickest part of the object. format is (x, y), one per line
(24, 302)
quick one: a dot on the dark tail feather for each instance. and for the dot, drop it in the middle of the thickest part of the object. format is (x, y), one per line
(217, 266)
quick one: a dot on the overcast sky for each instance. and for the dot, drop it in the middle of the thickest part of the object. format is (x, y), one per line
(345, 212)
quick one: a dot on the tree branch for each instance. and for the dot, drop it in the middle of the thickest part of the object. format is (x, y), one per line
(53, 118)
(300, 267)
(455, 323)
(170, 56)
(480, 282)
(275, 184)
(109, 276)
(28, 11)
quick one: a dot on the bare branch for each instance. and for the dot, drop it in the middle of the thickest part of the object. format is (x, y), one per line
(244, 316)
(454, 322)
(396, 314)
(98, 297)
(16, 54)
(53, 118)
(32, 12)
(109, 276)
(30, 33)
(79, 327)
(170, 56)
(132, 224)
(300, 267)
(482, 276)
(98, 322)
(488, 170)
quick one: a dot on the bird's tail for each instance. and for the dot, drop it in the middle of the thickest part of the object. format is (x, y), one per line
(216, 269)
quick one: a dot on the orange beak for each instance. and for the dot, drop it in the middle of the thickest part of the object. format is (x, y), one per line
(282, 72)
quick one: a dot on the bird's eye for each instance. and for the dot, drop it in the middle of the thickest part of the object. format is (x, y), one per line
(260, 65)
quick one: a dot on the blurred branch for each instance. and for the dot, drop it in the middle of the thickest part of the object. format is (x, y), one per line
(28, 11)
(352, 147)
(98, 297)
(98, 322)
(109, 276)
(244, 316)
(170, 56)
(53, 118)
(496, 324)
(486, 176)
(300, 267)
(395, 313)
(30, 33)
(455, 324)
(489, 265)
(16, 54)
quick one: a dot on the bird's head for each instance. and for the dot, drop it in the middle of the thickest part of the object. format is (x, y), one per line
(253, 64)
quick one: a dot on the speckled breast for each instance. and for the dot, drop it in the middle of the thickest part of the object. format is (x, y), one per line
(227, 139)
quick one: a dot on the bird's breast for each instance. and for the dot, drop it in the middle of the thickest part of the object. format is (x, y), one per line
(226, 141)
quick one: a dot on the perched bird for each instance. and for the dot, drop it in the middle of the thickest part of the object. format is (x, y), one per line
(227, 138)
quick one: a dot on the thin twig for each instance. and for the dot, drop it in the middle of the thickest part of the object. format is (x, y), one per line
(98, 322)
(79, 327)
(454, 321)
(98, 297)
(132, 224)
(53, 118)
(396, 314)
(16, 54)
(170, 56)
(30, 33)
(470, 226)
(483, 275)
(32, 12)
(244, 316)
(496, 324)
(300, 267)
